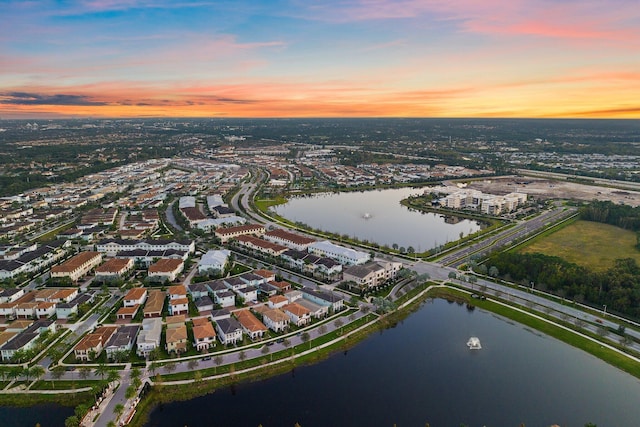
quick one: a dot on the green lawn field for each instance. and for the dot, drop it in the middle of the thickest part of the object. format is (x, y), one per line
(587, 243)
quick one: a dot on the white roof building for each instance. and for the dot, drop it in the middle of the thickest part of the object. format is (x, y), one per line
(339, 253)
(214, 260)
(187, 202)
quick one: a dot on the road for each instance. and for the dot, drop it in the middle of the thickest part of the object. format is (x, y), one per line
(171, 218)
(508, 236)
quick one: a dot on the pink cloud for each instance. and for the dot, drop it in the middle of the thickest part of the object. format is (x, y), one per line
(588, 19)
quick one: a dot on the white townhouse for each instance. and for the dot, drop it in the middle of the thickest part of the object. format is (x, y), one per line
(214, 261)
(339, 253)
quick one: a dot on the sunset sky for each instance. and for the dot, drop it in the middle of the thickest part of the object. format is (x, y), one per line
(305, 58)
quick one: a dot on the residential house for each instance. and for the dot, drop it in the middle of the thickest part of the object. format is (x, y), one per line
(298, 314)
(253, 327)
(204, 304)
(204, 335)
(322, 297)
(113, 269)
(166, 269)
(155, 303)
(277, 301)
(226, 234)
(149, 337)
(339, 253)
(26, 339)
(65, 310)
(112, 246)
(176, 334)
(248, 294)
(198, 290)
(372, 274)
(291, 240)
(178, 306)
(92, 344)
(77, 266)
(214, 261)
(128, 312)
(135, 296)
(225, 298)
(275, 319)
(122, 340)
(229, 331)
(267, 275)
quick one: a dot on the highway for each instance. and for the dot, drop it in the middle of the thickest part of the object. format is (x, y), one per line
(508, 236)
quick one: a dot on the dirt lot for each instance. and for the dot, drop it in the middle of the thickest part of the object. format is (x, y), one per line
(550, 189)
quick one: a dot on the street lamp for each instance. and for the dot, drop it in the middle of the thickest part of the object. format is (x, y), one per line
(604, 312)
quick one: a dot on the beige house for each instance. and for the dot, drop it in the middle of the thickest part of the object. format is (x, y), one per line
(77, 266)
(176, 334)
(166, 269)
(204, 336)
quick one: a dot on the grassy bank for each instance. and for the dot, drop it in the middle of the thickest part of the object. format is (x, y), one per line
(67, 399)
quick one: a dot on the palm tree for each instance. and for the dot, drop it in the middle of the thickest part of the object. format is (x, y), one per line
(56, 373)
(102, 369)
(119, 409)
(36, 371)
(135, 373)
(112, 375)
(130, 392)
(153, 367)
(15, 372)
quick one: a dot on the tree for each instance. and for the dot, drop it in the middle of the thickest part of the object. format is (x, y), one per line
(305, 337)
(153, 367)
(135, 373)
(322, 329)
(72, 421)
(36, 372)
(452, 275)
(218, 361)
(242, 355)
(170, 367)
(493, 271)
(265, 350)
(130, 392)
(102, 370)
(84, 372)
(112, 375)
(118, 410)
(192, 364)
(56, 373)
(15, 372)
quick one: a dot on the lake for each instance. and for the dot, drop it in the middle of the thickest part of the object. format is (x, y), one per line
(422, 371)
(46, 415)
(376, 216)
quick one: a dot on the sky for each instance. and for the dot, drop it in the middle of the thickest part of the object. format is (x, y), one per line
(307, 58)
